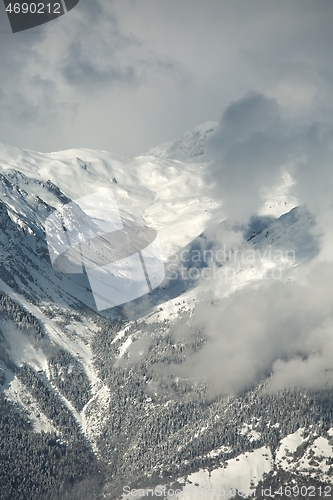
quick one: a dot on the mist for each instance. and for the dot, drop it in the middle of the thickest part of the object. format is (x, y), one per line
(261, 327)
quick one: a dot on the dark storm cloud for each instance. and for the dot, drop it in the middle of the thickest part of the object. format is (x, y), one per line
(27, 97)
(92, 61)
(251, 114)
(83, 72)
(250, 149)
(113, 58)
(13, 57)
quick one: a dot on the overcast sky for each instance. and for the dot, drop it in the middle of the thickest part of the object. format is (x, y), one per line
(125, 75)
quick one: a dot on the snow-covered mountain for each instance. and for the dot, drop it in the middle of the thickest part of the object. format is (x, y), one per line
(189, 147)
(88, 405)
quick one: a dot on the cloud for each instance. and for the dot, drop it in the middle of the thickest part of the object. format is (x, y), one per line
(79, 63)
(85, 72)
(124, 75)
(91, 61)
(252, 148)
(271, 329)
(16, 104)
(279, 329)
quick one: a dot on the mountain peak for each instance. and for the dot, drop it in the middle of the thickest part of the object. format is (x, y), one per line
(190, 146)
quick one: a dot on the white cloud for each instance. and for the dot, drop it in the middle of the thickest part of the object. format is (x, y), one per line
(125, 75)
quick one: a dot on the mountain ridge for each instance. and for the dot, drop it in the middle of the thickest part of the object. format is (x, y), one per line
(100, 385)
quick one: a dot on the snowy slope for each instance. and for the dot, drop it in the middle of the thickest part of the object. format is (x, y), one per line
(240, 473)
(189, 147)
(165, 189)
(316, 456)
(163, 194)
(244, 472)
(167, 195)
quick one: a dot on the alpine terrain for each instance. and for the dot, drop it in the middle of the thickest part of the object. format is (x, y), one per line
(143, 399)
